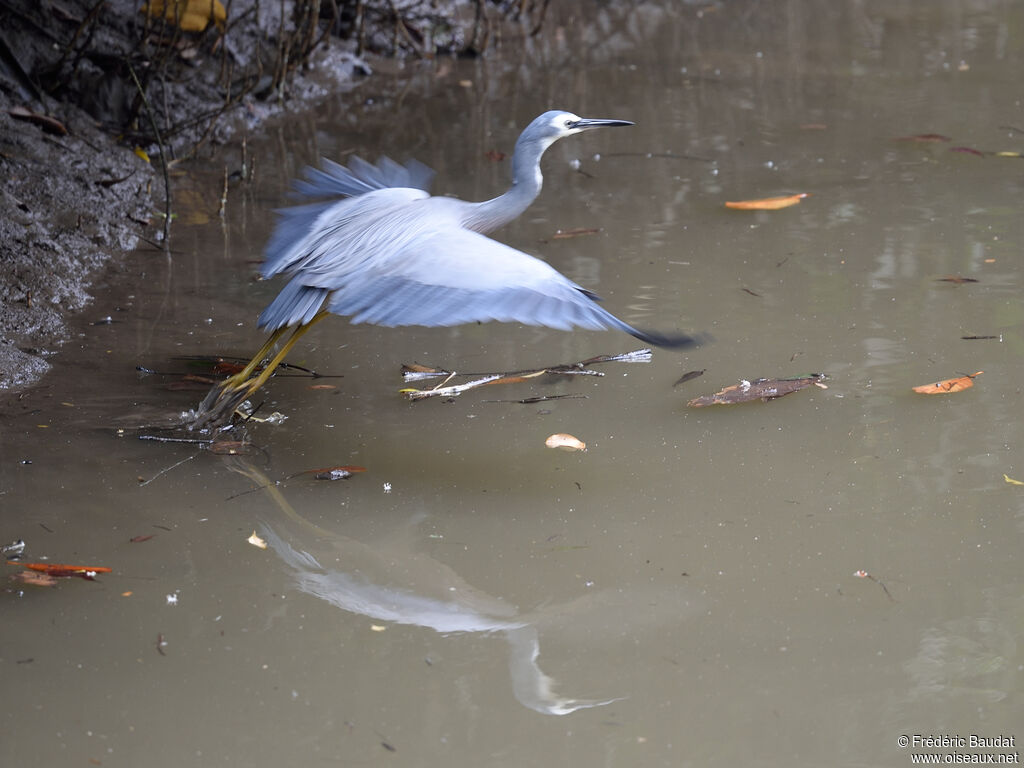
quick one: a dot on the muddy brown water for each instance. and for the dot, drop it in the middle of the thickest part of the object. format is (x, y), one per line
(683, 593)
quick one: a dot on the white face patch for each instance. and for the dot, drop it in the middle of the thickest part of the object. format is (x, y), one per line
(564, 122)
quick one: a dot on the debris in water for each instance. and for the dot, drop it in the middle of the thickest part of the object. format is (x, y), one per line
(865, 575)
(565, 442)
(767, 203)
(759, 389)
(580, 368)
(59, 570)
(948, 386)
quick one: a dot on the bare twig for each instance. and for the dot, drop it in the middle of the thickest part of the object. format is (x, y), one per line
(163, 160)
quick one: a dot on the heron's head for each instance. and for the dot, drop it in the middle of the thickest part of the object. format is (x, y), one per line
(556, 124)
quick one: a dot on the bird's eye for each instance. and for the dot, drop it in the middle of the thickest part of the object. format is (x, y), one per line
(568, 122)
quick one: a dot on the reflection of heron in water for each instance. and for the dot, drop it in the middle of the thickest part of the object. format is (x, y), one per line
(432, 595)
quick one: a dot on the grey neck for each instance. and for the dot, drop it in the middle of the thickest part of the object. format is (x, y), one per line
(526, 184)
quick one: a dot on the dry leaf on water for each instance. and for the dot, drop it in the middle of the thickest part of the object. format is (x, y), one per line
(1010, 480)
(948, 386)
(256, 541)
(58, 569)
(767, 203)
(565, 442)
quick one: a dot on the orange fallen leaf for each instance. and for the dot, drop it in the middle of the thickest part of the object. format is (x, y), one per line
(948, 386)
(57, 569)
(767, 203)
(322, 386)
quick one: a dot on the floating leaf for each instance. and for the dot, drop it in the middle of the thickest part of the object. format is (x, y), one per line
(59, 570)
(142, 153)
(190, 15)
(767, 203)
(956, 279)
(948, 386)
(759, 389)
(142, 538)
(1011, 481)
(1009, 154)
(322, 386)
(565, 234)
(924, 138)
(565, 442)
(967, 151)
(256, 541)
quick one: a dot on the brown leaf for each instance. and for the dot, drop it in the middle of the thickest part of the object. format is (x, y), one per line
(494, 155)
(957, 279)
(767, 203)
(48, 124)
(924, 138)
(420, 368)
(948, 386)
(565, 234)
(967, 151)
(142, 538)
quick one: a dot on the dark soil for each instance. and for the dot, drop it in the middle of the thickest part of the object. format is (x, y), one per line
(76, 194)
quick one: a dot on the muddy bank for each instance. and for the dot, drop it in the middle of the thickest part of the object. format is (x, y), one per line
(110, 79)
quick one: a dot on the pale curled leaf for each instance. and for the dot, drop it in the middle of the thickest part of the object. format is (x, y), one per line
(565, 442)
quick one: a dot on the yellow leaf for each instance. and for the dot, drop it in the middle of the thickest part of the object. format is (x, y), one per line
(256, 541)
(1010, 480)
(142, 153)
(190, 15)
(1008, 154)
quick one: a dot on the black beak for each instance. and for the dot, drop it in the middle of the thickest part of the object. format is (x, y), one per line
(586, 123)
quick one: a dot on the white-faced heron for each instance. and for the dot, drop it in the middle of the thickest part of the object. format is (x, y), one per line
(389, 253)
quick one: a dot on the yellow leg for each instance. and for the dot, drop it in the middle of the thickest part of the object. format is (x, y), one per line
(265, 374)
(221, 401)
(250, 368)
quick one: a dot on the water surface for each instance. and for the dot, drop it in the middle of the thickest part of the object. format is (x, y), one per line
(683, 593)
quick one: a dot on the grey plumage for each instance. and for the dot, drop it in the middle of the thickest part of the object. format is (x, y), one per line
(389, 253)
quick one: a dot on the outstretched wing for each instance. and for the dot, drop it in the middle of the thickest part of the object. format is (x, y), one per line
(452, 276)
(329, 183)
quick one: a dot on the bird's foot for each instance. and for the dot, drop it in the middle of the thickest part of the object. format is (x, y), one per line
(220, 404)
